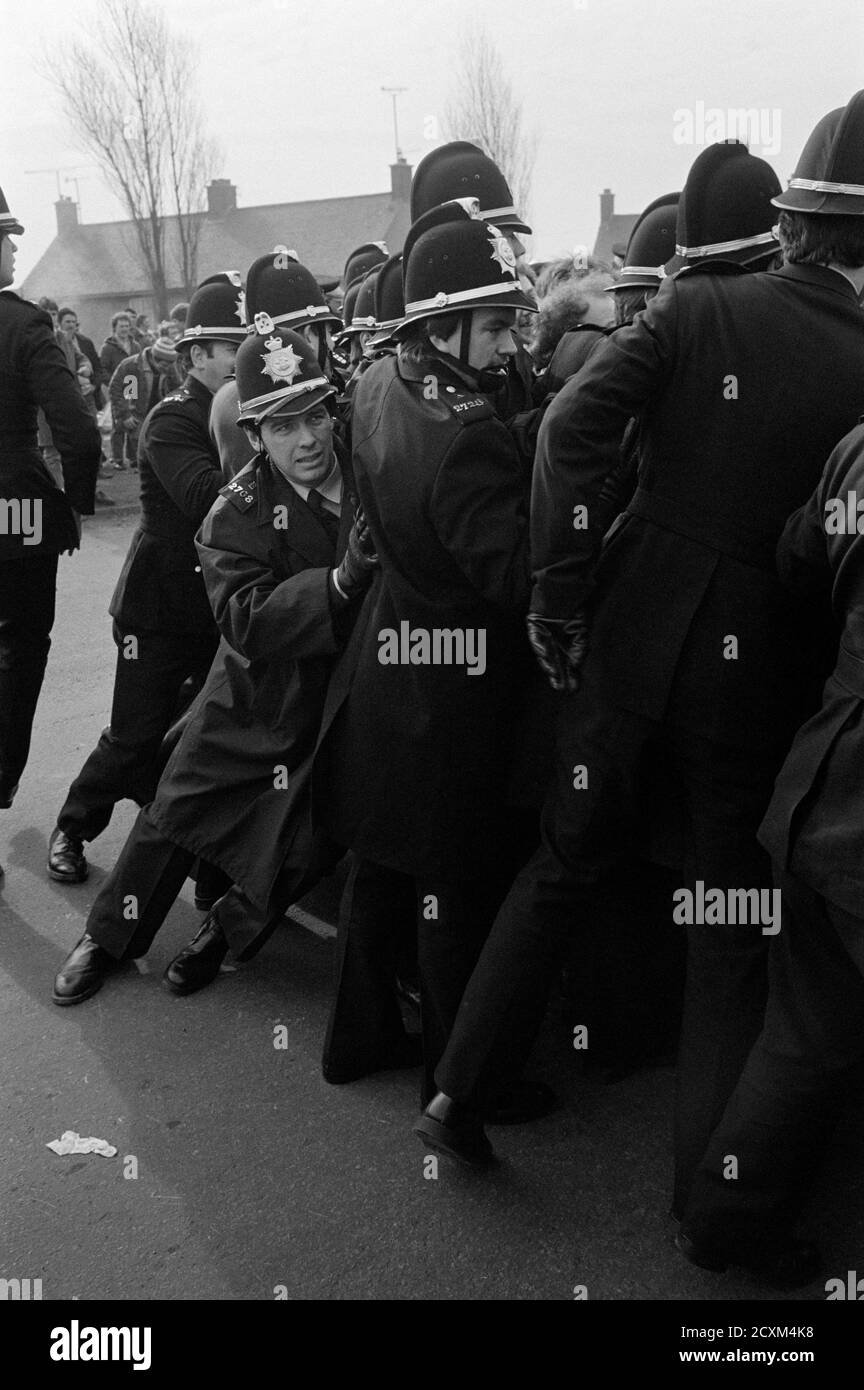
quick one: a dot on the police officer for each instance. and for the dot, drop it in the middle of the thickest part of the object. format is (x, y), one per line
(694, 654)
(278, 285)
(790, 1094)
(650, 245)
(411, 770)
(361, 260)
(163, 626)
(285, 564)
(460, 169)
(37, 520)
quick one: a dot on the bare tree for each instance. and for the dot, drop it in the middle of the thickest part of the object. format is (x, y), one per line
(127, 92)
(484, 106)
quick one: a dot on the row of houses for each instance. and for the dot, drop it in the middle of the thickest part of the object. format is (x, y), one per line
(94, 267)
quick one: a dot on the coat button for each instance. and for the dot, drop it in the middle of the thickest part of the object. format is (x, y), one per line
(452, 389)
(197, 569)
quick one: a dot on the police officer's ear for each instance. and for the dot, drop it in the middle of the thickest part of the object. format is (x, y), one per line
(253, 434)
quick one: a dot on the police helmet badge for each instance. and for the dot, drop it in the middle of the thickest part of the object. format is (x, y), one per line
(284, 258)
(263, 323)
(502, 252)
(280, 363)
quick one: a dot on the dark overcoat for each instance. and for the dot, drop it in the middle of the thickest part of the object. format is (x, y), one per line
(814, 825)
(743, 384)
(160, 588)
(233, 791)
(34, 374)
(412, 770)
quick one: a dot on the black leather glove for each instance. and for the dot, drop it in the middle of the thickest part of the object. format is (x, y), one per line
(560, 646)
(359, 562)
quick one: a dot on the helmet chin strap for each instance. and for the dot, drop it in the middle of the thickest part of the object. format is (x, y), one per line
(465, 338)
(488, 379)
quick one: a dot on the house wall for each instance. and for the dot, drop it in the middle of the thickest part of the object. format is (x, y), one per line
(95, 312)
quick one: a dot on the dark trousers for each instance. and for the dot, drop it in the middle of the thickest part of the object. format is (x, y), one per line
(787, 1101)
(27, 594)
(452, 922)
(376, 913)
(141, 889)
(588, 833)
(150, 690)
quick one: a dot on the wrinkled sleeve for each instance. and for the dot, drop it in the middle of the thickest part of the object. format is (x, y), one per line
(73, 429)
(579, 447)
(183, 463)
(257, 613)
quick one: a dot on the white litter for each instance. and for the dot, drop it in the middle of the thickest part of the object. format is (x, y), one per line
(72, 1143)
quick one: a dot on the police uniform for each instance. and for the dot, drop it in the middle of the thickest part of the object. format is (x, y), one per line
(783, 1111)
(163, 623)
(784, 1108)
(38, 520)
(234, 790)
(460, 169)
(413, 765)
(280, 287)
(695, 650)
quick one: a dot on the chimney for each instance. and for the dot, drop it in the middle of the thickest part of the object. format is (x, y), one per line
(607, 206)
(67, 215)
(221, 197)
(400, 181)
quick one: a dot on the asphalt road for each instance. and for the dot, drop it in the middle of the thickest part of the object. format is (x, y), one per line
(240, 1173)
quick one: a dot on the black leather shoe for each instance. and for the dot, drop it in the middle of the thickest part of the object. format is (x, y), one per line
(198, 963)
(66, 862)
(521, 1103)
(405, 1053)
(450, 1128)
(82, 972)
(791, 1266)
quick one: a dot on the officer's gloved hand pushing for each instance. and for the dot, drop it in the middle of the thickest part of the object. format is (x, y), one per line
(354, 574)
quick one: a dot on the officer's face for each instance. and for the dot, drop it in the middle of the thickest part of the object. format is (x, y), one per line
(7, 261)
(215, 370)
(301, 446)
(492, 342)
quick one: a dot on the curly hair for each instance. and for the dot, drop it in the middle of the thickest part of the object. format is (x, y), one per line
(564, 308)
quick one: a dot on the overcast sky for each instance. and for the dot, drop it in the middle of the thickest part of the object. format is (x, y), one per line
(291, 89)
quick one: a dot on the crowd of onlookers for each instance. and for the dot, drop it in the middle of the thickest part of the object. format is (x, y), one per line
(120, 382)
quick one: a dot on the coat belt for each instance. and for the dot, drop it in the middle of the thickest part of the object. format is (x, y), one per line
(749, 547)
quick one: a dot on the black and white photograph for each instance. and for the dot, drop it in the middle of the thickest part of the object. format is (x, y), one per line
(431, 670)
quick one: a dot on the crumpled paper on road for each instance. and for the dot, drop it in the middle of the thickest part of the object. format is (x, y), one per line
(72, 1143)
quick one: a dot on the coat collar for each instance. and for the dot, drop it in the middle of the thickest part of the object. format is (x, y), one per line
(820, 275)
(412, 369)
(304, 531)
(197, 389)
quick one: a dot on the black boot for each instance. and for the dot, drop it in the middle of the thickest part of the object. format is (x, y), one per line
(198, 963)
(82, 972)
(451, 1128)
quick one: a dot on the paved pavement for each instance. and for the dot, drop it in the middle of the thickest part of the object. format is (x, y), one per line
(240, 1174)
